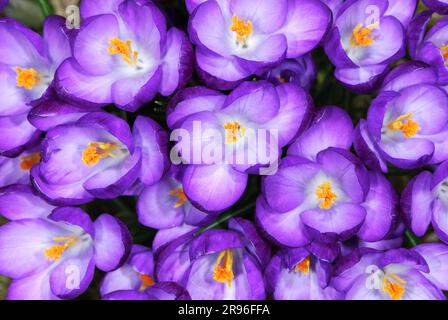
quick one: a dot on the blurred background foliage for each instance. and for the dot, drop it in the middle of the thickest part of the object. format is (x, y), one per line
(326, 91)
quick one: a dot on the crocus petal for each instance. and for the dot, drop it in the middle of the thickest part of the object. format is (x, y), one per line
(34, 287)
(435, 255)
(178, 62)
(416, 202)
(306, 23)
(112, 242)
(224, 186)
(341, 222)
(331, 127)
(381, 204)
(19, 202)
(153, 141)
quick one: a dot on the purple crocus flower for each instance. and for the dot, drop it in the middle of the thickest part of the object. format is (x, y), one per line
(322, 193)
(367, 36)
(235, 39)
(301, 71)
(136, 274)
(398, 274)
(295, 274)
(399, 129)
(223, 138)
(425, 201)
(17, 170)
(164, 204)
(27, 67)
(55, 258)
(430, 46)
(217, 264)
(124, 55)
(99, 156)
(134, 280)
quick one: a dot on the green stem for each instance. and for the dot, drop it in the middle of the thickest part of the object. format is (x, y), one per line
(46, 7)
(411, 239)
(226, 217)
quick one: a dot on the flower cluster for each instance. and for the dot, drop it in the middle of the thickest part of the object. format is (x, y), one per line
(149, 158)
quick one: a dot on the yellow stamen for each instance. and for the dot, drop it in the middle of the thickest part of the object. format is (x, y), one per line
(242, 28)
(395, 289)
(27, 78)
(303, 266)
(444, 52)
(326, 194)
(409, 128)
(147, 281)
(362, 36)
(124, 48)
(233, 131)
(181, 197)
(96, 151)
(29, 160)
(223, 268)
(55, 252)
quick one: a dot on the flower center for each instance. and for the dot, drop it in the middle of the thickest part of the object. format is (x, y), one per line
(181, 197)
(223, 268)
(124, 48)
(147, 281)
(242, 28)
(394, 288)
(444, 52)
(303, 266)
(326, 194)
(408, 127)
(29, 160)
(234, 131)
(361, 36)
(27, 78)
(96, 151)
(55, 252)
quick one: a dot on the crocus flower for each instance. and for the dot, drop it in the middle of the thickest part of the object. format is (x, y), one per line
(27, 67)
(397, 274)
(399, 129)
(222, 138)
(425, 201)
(55, 258)
(322, 193)
(98, 156)
(301, 71)
(238, 38)
(136, 274)
(366, 37)
(217, 264)
(123, 54)
(439, 6)
(430, 46)
(164, 204)
(295, 274)
(17, 170)
(134, 280)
